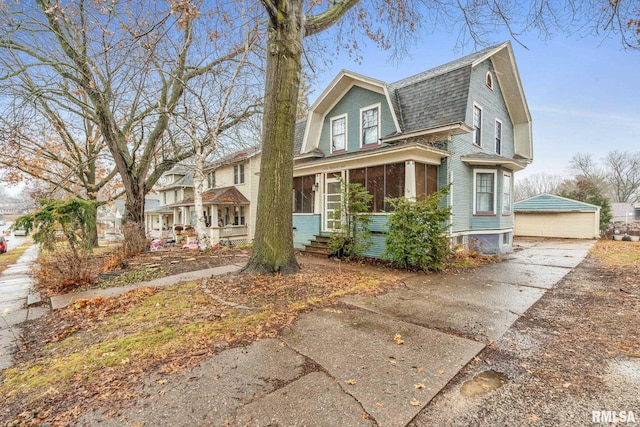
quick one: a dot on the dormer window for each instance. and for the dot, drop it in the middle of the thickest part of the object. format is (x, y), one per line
(489, 80)
(370, 125)
(339, 134)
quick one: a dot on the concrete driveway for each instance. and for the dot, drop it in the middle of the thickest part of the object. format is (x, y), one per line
(376, 361)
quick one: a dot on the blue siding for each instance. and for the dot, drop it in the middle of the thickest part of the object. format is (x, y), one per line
(378, 227)
(355, 99)
(493, 107)
(378, 245)
(306, 227)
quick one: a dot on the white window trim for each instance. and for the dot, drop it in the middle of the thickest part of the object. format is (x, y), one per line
(489, 78)
(370, 107)
(244, 170)
(495, 189)
(473, 124)
(510, 194)
(346, 132)
(495, 131)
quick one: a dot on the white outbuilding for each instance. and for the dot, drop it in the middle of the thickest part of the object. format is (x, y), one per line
(548, 215)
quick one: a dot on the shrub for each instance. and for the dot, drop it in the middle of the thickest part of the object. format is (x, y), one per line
(353, 237)
(416, 237)
(135, 241)
(64, 230)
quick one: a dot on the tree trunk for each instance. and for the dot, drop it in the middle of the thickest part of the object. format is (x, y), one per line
(273, 244)
(135, 238)
(198, 188)
(92, 228)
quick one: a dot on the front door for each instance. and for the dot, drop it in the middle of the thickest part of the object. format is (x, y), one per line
(332, 201)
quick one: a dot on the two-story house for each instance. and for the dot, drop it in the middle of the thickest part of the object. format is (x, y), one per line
(465, 124)
(176, 184)
(231, 183)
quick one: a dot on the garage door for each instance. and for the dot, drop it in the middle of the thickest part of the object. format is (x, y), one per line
(571, 225)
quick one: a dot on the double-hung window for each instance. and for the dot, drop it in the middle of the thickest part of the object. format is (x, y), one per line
(477, 126)
(339, 134)
(369, 121)
(211, 179)
(498, 137)
(506, 194)
(238, 174)
(485, 193)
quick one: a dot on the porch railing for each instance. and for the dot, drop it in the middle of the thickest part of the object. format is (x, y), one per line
(233, 231)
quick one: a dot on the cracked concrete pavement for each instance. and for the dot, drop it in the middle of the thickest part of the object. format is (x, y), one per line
(343, 367)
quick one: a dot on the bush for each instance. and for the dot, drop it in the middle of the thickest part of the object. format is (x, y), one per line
(353, 238)
(62, 270)
(135, 241)
(416, 237)
(64, 229)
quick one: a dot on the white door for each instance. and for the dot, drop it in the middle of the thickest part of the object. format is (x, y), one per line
(332, 201)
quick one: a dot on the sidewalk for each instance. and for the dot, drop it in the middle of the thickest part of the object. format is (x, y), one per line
(15, 308)
(346, 366)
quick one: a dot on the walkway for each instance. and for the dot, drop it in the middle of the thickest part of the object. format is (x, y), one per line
(15, 291)
(376, 361)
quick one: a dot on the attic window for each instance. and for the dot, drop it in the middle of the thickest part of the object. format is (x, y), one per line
(489, 80)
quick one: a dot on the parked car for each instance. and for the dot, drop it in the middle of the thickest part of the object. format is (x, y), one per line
(3, 245)
(19, 232)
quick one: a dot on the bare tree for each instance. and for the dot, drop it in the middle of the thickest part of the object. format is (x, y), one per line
(623, 175)
(125, 67)
(223, 102)
(584, 165)
(533, 185)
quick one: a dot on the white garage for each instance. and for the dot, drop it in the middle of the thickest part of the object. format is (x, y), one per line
(548, 215)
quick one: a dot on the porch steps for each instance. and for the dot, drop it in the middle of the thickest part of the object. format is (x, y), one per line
(319, 246)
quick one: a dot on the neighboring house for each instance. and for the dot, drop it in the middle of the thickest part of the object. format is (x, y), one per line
(548, 215)
(230, 188)
(625, 212)
(110, 216)
(464, 124)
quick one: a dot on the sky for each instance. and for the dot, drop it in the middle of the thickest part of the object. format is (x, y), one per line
(583, 92)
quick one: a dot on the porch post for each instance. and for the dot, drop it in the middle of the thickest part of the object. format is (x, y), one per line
(410, 180)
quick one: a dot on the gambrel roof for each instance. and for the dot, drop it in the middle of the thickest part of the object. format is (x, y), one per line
(433, 102)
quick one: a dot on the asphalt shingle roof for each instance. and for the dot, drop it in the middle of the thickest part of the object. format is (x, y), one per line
(435, 97)
(551, 203)
(217, 196)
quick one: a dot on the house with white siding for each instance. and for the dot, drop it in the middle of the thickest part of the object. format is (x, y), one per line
(465, 124)
(232, 183)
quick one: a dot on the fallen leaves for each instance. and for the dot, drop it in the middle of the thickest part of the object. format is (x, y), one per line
(415, 402)
(398, 339)
(123, 338)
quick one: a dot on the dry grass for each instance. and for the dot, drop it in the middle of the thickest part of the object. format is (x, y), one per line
(12, 256)
(612, 253)
(97, 349)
